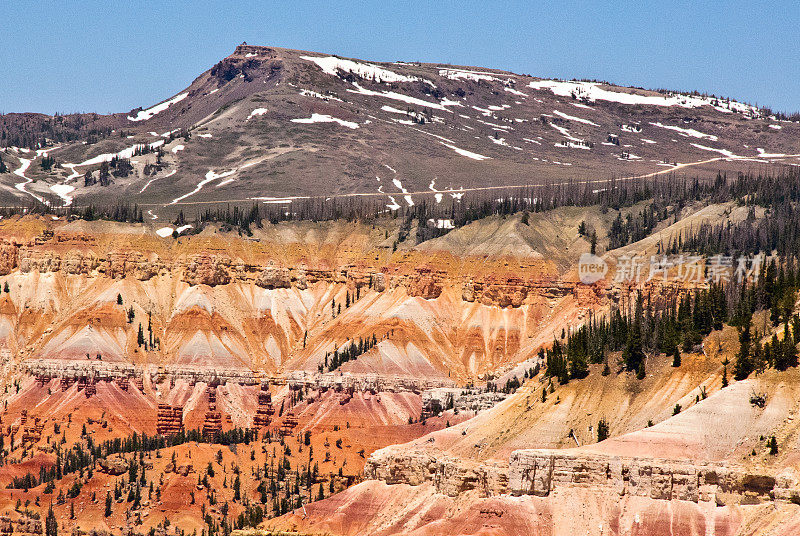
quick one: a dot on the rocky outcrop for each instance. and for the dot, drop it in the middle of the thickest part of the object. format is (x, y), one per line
(170, 420)
(77, 253)
(426, 284)
(363, 382)
(21, 525)
(451, 476)
(272, 277)
(265, 410)
(212, 425)
(540, 472)
(434, 401)
(8, 258)
(208, 270)
(113, 465)
(378, 282)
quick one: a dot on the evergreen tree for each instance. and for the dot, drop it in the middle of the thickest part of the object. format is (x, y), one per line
(50, 523)
(725, 373)
(633, 355)
(676, 357)
(640, 373)
(773, 446)
(602, 430)
(743, 365)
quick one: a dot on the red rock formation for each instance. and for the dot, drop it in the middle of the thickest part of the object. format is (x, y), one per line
(265, 410)
(212, 425)
(33, 433)
(170, 419)
(91, 388)
(289, 424)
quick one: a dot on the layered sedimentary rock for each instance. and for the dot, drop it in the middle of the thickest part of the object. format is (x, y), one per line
(265, 410)
(170, 419)
(451, 476)
(540, 472)
(212, 424)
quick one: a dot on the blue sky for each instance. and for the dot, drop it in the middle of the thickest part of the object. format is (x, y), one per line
(107, 56)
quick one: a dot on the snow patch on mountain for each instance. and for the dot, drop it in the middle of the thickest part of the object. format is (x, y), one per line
(397, 96)
(464, 152)
(309, 93)
(687, 132)
(323, 118)
(332, 65)
(592, 91)
(144, 115)
(573, 118)
(256, 112)
(125, 153)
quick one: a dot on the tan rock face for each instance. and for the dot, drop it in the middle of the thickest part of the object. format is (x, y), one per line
(451, 476)
(540, 472)
(205, 269)
(272, 277)
(115, 465)
(8, 258)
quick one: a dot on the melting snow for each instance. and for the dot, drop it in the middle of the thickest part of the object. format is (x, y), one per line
(330, 65)
(178, 148)
(170, 174)
(257, 111)
(687, 132)
(61, 190)
(210, 176)
(564, 132)
(144, 115)
(125, 153)
(724, 152)
(515, 92)
(397, 96)
(769, 155)
(441, 224)
(392, 110)
(322, 118)
(463, 74)
(572, 145)
(464, 152)
(573, 118)
(309, 93)
(394, 205)
(20, 172)
(167, 231)
(592, 92)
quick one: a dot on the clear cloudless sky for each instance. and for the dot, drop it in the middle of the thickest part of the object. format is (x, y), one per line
(111, 56)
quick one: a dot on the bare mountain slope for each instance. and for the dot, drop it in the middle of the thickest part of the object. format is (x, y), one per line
(269, 124)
